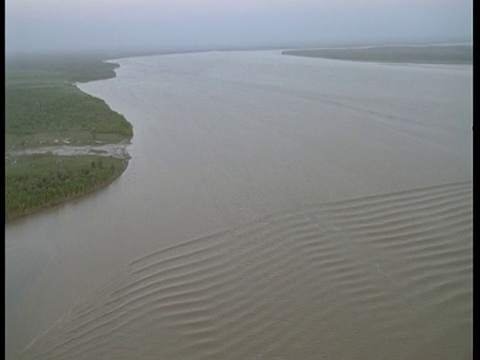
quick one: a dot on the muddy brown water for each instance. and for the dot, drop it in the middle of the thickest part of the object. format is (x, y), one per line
(274, 207)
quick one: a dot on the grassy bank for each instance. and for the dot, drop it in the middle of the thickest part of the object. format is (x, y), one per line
(43, 107)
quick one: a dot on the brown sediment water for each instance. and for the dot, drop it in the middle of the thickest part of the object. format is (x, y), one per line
(274, 207)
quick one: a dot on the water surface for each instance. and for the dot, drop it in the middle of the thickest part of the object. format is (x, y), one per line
(274, 207)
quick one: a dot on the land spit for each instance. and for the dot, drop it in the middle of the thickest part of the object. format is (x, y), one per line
(118, 150)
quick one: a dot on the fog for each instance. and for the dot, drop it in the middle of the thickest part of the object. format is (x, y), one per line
(54, 25)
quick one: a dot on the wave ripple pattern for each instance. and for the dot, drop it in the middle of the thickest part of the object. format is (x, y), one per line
(367, 272)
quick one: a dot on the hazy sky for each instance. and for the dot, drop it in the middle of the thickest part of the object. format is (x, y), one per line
(44, 25)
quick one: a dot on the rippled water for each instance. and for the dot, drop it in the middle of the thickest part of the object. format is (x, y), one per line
(274, 207)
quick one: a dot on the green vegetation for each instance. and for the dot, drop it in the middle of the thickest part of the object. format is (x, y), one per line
(43, 107)
(41, 115)
(49, 68)
(35, 182)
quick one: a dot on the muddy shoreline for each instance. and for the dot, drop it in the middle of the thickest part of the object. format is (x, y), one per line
(118, 150)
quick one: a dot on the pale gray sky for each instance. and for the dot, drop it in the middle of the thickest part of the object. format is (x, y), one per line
(72, 25)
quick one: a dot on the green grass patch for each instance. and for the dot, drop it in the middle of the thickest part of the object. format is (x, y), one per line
(35, 182)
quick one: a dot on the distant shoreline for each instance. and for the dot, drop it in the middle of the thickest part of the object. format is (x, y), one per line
(445, 54)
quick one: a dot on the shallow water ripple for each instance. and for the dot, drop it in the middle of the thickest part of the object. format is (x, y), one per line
(377, 273)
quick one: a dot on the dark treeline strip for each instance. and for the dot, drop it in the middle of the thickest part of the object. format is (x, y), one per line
(58, 67)
(445, 54)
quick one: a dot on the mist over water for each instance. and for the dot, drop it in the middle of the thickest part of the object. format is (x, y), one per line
(274, 207)
(159, 25)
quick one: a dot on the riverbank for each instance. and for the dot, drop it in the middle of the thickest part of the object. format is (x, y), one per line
(46, 113)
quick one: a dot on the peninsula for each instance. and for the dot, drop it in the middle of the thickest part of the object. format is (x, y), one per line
(45, 110)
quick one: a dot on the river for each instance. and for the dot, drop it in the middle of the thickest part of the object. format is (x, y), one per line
(274, 207)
